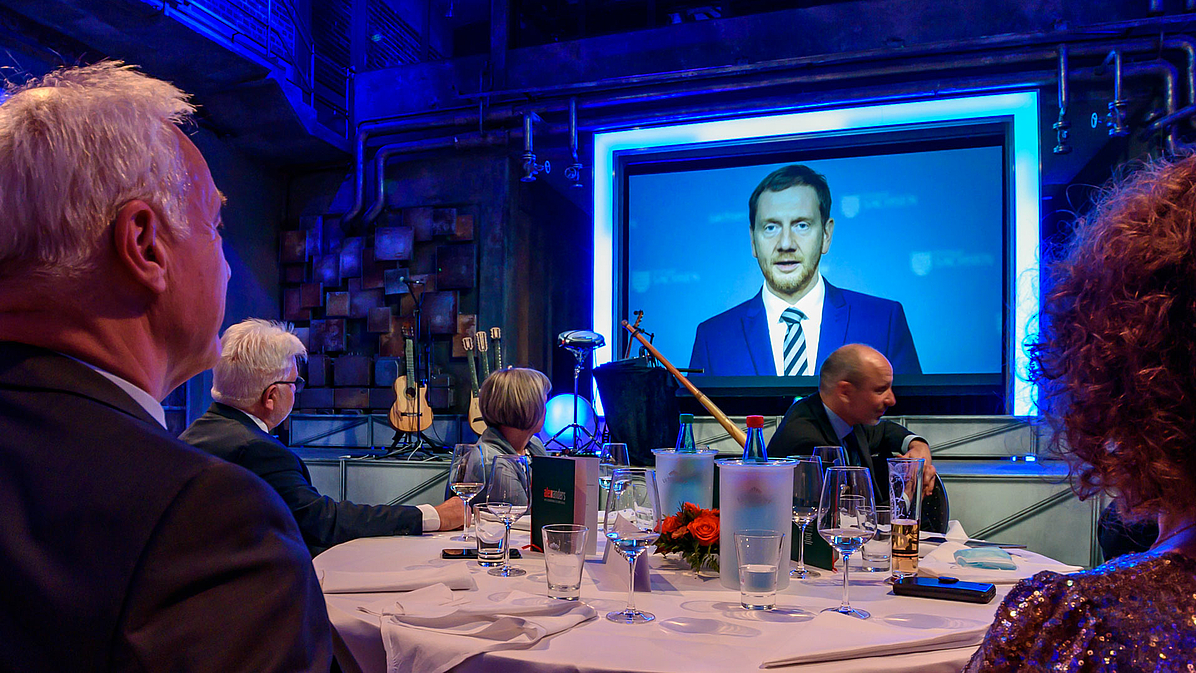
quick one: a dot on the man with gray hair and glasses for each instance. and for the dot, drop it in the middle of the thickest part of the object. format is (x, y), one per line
(121, 547)
(254, 387)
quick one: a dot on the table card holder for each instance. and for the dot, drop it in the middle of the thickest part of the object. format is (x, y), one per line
(753, 496)
(818, 552)
(616, 566)
(564, 490)
(685, 477)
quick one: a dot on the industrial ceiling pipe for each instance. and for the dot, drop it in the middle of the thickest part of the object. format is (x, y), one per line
(460, 142)
(1062, 126)
(500, 113)
(573, 172)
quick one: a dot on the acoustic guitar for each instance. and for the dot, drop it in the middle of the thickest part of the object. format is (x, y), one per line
(410, 412)
(475, 413)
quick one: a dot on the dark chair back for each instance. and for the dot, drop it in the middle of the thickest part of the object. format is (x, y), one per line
(936, 509)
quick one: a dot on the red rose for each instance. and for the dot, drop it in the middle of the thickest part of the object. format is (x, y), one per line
(705, 529)
(668, 525)
(691, 509)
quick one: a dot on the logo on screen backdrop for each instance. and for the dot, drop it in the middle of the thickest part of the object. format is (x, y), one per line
(555, 496)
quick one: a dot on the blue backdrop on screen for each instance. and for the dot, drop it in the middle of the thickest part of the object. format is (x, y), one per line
(921, 228)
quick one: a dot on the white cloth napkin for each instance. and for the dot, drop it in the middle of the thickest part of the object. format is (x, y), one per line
(455, 576)
(432, 630)
(941, 562)
(832, 637)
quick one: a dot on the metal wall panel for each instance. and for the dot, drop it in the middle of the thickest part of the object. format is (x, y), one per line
(708, 432)
(367, 430)
(326, 477)
(974, 436)
(381, 482)
(1028, 503)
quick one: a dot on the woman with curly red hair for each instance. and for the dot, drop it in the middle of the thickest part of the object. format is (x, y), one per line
(1116, 367)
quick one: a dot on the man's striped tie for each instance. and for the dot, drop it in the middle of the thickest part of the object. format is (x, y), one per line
(795, 343)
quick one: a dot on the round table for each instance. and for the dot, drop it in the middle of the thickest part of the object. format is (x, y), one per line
(699, 624)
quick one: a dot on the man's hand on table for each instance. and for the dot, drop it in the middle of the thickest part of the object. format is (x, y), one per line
(452, 514)
(920, 449)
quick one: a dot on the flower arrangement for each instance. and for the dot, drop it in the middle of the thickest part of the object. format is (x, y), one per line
(693, 533)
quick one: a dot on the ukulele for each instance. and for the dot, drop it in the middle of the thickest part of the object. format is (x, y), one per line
(496, 337)
(475, 414)
(410, 412)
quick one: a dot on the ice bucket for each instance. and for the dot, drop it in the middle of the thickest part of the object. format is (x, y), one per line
(753, 496)
(684, 477)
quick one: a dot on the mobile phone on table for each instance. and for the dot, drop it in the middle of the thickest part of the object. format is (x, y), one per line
(945, 588)
(470, 554)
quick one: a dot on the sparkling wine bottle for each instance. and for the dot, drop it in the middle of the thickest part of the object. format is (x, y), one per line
(753, 448)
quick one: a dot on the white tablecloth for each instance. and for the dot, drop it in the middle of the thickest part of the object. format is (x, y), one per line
(699, 625)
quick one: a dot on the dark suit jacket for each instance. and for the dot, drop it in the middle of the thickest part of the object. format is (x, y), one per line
(735, 342)
(230, 434)
(124, 549)
(806, 426)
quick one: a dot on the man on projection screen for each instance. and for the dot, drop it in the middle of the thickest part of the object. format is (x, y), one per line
(797, 318)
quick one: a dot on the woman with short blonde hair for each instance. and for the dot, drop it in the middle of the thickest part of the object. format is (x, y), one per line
(513, 404)
(514, 398)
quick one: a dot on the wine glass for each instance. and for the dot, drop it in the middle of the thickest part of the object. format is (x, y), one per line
(508, 497)
(807, 491)
(611, 457)
(847, 519)
(831, 456)
(632, 523)
(467, 478)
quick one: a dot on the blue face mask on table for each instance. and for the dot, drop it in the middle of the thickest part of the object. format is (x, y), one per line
(989, 558)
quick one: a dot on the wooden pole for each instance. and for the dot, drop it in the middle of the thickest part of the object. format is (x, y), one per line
(738, 435)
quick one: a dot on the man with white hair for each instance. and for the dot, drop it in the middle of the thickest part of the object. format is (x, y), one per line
(254, 385)
(121, 547)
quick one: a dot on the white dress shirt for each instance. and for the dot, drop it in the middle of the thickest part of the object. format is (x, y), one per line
(811, 325)
(145, 400)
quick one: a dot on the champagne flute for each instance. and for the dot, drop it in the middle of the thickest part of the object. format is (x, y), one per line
(847, 519)
(831, 456)
(508, 497)
(613, 456)
(807, 491)
(632, 524)
(467, 478)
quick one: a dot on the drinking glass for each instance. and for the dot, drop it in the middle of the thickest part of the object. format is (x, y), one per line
(807, 490)
(612, 457)
(847, 519)
(905, 497)
(758, 553)
(508, 497)
(488, 532)
(875, 555)
(467, 478)
(632, 523)
(831, 456)
(564, 557)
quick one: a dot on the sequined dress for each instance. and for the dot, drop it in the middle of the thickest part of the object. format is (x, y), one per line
(1135, 613)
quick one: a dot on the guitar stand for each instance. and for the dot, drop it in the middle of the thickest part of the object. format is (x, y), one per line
(414, 442)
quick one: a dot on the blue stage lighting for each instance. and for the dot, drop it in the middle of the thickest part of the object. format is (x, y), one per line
(560, 414)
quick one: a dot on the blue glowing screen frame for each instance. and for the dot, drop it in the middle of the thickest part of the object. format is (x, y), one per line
(1018, 109)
